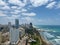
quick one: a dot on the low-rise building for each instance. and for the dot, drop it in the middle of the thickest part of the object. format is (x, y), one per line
(21, 32)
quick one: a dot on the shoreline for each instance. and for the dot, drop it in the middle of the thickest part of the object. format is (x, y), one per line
(44, 41)
(52, 37)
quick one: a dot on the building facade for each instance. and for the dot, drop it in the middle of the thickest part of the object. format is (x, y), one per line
(16, 23)
(14, 35)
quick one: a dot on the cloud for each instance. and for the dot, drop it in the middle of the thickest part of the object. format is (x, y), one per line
(2, 3)
(58, 5)
(37, 3)
(2, 14)
(8, 9)
(5, 7)
(54, 4)
(17, 11)
(23, 10)
(17, 2)
(14, 7)
(51, 5)
(13, 17)
(29, 14)
(27, 19)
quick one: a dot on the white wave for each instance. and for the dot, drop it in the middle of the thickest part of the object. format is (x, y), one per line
(54, 31)
(58, 37)
(35, 26)
(48, 35)
(57, 41)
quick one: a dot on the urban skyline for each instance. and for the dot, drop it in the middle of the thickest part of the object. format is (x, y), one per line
(29, 22)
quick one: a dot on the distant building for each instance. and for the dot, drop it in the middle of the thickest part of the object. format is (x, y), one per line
(0, 37)
(9, 25)
(1, 28)
(31, 26)
(21, 32)
(14, 35)
(14, 32)
(16, 23)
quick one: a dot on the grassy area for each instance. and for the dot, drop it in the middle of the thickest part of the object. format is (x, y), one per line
(37, 38)
(35, 43)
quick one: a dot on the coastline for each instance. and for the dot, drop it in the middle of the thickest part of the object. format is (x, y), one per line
(43, 39)
(52, 37)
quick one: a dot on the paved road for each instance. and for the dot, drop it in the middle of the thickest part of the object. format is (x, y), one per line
(23, 41)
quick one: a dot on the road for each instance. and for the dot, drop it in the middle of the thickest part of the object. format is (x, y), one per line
(23, 41)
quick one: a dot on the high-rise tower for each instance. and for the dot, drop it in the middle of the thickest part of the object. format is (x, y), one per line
(14, 33)
(16, 23)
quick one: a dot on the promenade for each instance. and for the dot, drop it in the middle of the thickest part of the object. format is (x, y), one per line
(23, 40)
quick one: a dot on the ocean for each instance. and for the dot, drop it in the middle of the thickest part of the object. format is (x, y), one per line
(53, 36)
(49, 27)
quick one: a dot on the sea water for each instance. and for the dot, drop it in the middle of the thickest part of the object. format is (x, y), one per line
(53, 36)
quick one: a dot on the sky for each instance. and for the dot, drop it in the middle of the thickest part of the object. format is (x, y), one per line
(39, 12)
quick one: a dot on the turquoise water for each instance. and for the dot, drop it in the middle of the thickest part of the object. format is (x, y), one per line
(54, 36)
(49, 27)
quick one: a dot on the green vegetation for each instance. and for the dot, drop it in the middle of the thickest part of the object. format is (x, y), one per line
(34, 35)
(37, 41)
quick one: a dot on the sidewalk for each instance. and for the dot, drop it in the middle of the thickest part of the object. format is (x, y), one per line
(23, 41)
